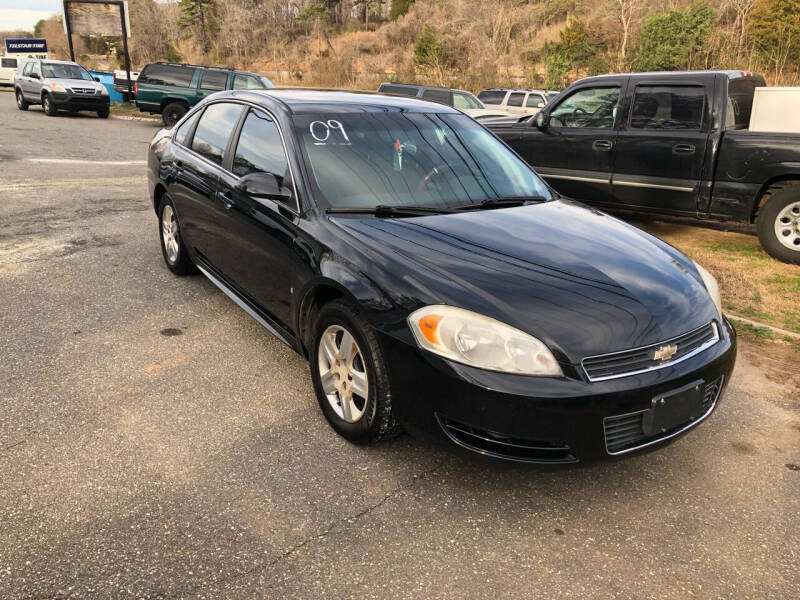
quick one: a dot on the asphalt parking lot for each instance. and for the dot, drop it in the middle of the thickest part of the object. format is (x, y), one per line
(156, 442)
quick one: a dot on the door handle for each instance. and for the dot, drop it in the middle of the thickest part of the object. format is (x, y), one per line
(683, 149)
(226, 199)
(602, 145)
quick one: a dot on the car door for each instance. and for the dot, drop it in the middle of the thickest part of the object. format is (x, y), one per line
(515, 102)
(661, 146)
(194, 184)
(33, 84)
(573, 147)
(22, 79)
(261, 231)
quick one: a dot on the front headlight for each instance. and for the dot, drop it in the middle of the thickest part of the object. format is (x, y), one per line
(104, 91)
(711, 285)
(57, 87)
(479, 341)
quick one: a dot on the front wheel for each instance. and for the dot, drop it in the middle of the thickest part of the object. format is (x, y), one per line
(22, 104)
(172, 246)
(49, 106)
(103, 114)
(778, 223)
(350, 377)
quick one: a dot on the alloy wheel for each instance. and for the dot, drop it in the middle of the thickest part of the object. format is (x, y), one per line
(343, 373)
(169, 233)
(787, 226)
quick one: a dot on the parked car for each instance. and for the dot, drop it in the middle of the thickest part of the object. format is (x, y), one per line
(459, 99)
(433, 281)
(517, 101)
(60, 85)
(668, 143)
(172, 89)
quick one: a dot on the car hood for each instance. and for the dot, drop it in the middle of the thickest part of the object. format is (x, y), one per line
(73, 83)
(582, 281)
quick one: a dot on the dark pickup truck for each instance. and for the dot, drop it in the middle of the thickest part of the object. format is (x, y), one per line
(671, 143)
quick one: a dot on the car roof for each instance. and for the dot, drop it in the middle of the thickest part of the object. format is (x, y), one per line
(313, 101)
(730, 73)
(57, 62)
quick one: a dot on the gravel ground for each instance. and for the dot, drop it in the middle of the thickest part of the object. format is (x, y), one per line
(136, 464)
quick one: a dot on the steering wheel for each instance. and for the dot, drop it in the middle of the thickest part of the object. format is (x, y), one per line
(579, 111)
(426, 179)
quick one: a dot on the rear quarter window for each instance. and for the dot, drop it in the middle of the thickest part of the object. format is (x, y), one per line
(174, 75)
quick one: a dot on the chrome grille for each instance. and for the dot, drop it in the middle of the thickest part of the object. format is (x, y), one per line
(78, 90)
(639, 360)
(626, 432)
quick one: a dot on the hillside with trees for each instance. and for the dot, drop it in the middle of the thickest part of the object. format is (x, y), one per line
(462, 43)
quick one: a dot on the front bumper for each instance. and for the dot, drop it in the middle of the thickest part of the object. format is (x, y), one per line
(545, 420)
(68, 101)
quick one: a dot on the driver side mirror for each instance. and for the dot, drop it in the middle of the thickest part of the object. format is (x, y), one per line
(97, 79)
(539, 121)
(34, 76)
(263, 185)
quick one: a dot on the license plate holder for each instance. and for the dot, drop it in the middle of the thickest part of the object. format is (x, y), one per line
(673, 409)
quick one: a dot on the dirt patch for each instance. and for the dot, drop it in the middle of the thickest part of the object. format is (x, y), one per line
(752, 283)
(770, 370)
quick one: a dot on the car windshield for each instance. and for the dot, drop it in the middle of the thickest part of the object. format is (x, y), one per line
(437, 161)
(65, 71)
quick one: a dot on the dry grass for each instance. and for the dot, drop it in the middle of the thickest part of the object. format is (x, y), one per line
(752, 283)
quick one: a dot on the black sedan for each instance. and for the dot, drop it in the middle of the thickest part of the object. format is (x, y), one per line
(434, 282)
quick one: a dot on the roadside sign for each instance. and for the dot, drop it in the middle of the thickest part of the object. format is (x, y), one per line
(26, 46)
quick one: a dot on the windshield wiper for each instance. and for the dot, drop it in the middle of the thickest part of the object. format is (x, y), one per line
(502, 203)
(385, 210)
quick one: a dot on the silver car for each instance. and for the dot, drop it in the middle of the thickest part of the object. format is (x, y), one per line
(60, 85)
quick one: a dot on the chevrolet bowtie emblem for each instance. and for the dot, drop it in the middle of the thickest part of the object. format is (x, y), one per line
(665, 352)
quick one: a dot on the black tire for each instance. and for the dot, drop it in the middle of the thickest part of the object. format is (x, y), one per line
(781, 196)
(173, 112)
(49, 106)
(103, 114)
(22, 104)
(181, 264)
(377, 422)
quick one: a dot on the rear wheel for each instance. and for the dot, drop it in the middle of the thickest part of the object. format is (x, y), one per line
(349, 373)
(49, 106)
(22, 104)
(779, 223)
(172, 246)
(173, 112)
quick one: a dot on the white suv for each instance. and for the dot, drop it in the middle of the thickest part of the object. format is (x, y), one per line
(516, 101)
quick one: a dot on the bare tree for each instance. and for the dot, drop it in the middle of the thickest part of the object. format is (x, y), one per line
(742, 8)
(627, 11)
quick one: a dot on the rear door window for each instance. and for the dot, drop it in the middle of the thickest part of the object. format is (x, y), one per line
(492, 96)
(27, 69)
(214, 130)
(740, 103)
(174, 75)
(214, 80)
(36, 69)
(668, 107)
(440, 96)
(515, 99)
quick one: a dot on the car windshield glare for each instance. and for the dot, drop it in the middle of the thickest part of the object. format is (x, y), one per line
(64, 71)
(436, 160)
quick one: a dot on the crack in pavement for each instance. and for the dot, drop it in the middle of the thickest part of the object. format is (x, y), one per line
(348, 520)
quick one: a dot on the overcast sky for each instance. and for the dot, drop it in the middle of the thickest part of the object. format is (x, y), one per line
(23, 14)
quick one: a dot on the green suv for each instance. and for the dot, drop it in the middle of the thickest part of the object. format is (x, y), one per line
(171, 90)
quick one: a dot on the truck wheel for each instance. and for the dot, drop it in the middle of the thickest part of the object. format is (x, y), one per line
(22, 104)
(173, 112)
(103, 114)
(49, 107)
(779, 223)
